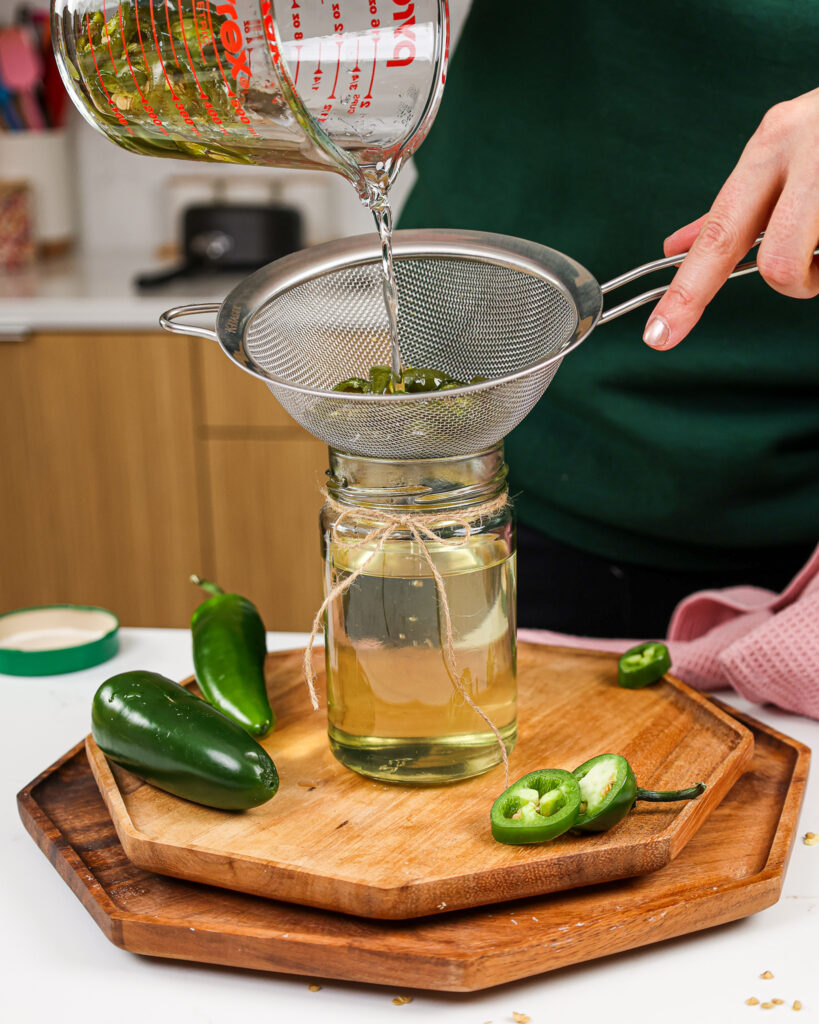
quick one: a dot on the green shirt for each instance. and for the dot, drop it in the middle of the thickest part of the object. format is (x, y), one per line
(598, 128)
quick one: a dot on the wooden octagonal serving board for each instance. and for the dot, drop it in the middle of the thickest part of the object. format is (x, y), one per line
(334, 840)
(732, 867)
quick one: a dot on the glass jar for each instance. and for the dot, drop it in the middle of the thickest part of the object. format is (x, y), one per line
(396, 711)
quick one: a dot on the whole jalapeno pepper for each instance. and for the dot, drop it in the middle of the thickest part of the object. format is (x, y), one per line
(168, 736)
(609, 790)
(229, 649)
(642, 665)
(539, 807)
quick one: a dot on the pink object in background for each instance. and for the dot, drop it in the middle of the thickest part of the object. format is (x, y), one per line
(21, 69)
(763, 645)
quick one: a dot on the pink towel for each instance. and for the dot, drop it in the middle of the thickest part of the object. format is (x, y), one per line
(763, 645)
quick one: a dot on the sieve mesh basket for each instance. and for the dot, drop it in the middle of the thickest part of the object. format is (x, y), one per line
(469, 303)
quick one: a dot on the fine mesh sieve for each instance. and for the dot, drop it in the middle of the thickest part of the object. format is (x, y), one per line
(470, 303)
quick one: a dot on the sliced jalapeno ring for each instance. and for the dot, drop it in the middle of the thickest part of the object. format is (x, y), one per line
(642, 665)
(539, 807)
(608, 791)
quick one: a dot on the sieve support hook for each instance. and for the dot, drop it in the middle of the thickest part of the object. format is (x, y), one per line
(168, 320)
(648, 268)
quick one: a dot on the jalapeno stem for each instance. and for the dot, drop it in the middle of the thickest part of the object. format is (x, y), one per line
(212, 588)
(669, 795)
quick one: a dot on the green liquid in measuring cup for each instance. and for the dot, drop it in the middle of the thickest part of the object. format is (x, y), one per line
(156, 83)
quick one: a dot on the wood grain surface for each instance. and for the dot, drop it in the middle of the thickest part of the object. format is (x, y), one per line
(731, 868)
(334, 840)
(99, 495)
(264, 497)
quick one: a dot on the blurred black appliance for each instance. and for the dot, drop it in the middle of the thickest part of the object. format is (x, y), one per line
(230, 238)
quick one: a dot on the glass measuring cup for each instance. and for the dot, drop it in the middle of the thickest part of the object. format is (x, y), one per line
(350, 85)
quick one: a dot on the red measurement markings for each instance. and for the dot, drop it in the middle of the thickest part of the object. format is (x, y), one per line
(180, 106)
(354, 80)
(196, 29)
(149, 110)
(170, 34)
(235, 102)
(108, 39)
(139, 37)
(296, 19)
(123, 120)
(318, 72)
(298, 65)
(369, 96)
(332, 95)
(204, 96)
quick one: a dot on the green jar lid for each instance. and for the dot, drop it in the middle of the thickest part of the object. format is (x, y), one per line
(56, 638)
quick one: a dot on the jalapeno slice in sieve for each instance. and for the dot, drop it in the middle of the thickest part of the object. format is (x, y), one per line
(642, 665)
(354, 385)
(539, 807)
(608, 791)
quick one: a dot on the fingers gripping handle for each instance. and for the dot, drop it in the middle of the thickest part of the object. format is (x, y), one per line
(168, 320)
(648, 268)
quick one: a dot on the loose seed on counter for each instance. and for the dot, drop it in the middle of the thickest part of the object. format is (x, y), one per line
(520, 1018)
(777, 1002)
(766, 975)
(314, 988)
(796, 1005)
(767, 1006)
(402, 1000)
(810, 839)
(753, 1001)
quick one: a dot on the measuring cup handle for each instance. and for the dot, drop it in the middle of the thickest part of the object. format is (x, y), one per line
(648, 268)
(168, 320)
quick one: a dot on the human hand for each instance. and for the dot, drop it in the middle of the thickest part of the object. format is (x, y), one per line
(773, 188)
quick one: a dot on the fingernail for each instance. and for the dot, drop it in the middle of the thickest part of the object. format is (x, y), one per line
(656, 332)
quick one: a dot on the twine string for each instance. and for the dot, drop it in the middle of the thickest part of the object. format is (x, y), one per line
(420, 526)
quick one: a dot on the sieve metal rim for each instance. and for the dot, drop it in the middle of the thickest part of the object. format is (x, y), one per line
(575, 282)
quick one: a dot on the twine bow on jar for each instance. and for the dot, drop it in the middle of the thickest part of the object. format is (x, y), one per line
(421, 526)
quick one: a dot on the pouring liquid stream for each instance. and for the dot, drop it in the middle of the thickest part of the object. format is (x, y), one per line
(382, 212)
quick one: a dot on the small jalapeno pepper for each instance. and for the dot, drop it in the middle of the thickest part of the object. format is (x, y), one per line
(642, 665)
(608, 791)
(229, 650)
(540, 806)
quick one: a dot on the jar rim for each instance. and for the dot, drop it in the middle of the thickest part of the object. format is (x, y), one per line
(417, 484)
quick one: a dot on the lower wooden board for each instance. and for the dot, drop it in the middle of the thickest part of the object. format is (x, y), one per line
(334, 840)
(731, 868)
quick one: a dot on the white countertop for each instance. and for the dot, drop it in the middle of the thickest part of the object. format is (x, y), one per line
(96, 292)
(58, 964)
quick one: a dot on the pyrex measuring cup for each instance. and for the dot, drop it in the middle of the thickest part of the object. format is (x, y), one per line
(350, 85)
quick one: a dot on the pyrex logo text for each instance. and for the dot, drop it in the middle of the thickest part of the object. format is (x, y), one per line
(233, 42)
(404, 36)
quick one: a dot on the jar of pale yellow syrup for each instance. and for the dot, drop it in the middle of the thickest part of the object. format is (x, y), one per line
(420, 621)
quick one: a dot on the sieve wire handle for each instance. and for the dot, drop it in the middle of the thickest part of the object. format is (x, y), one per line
(648, 268)
(168, 320)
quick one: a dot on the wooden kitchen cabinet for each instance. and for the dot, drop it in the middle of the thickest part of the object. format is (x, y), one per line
(265, 503)
(131, 460)
(99, 502)
(264, 475)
